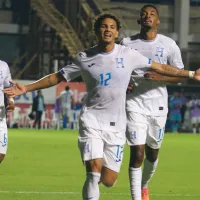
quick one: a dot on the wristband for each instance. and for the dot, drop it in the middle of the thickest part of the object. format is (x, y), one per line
(191, 74)
(12, 100)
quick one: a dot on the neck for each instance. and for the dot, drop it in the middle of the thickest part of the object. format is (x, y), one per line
(106, 48)
(148, 34)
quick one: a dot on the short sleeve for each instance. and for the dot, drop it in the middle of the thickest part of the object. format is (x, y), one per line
(175, 58)
(7, 78)
(139, 61)
(70, 71)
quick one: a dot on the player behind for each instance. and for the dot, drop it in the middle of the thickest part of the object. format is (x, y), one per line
(106, 69)
(5, 104)
(175, 111)
(194, 106)
(147, 105)
(66, 101)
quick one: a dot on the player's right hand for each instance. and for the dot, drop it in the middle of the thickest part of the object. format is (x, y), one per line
(16, 90)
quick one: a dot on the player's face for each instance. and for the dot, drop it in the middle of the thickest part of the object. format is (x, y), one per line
(108, 31)
(149, 18)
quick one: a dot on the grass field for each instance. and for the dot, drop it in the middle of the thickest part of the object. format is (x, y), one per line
(45, 165)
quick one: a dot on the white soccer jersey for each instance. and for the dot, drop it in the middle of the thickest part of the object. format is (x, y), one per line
(106, 76)
(5, 77)
(66, 99)
(150, 97)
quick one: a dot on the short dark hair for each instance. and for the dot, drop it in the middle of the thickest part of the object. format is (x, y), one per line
(67, 87)
(101, 17)
(151, 6)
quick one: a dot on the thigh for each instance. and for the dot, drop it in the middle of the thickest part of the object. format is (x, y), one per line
(3, 137)
(113, 156)
(90, 144)
(113, 149)
(156, 131)
(136, 132)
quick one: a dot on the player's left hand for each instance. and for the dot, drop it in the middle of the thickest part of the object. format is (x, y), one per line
(10, 107)
(197, 75)
(150, 75)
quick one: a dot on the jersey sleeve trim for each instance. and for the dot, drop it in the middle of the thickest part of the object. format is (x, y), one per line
(65, 75)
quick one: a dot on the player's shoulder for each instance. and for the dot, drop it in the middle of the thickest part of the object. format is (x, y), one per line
(87, 53)
(166, 40)
(3, 64)
(123, 49)
(131, 39)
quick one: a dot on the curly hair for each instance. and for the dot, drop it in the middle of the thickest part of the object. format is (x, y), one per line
(101, 17)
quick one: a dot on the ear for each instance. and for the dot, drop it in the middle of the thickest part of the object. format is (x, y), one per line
(117, 34)
(158, 22)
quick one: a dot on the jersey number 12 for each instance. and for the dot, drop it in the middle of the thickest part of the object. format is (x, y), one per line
(104, 79)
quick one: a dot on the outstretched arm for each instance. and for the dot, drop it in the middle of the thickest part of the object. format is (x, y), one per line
(154, 76)
(46, 82)
(173, 71)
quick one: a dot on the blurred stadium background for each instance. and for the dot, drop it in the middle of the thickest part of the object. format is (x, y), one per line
(39, 37)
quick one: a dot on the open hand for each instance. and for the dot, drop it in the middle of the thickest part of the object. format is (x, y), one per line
(15, 90)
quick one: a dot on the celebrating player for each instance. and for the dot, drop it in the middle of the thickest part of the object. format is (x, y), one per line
(106, 69)
(5, 104)
(147, 105)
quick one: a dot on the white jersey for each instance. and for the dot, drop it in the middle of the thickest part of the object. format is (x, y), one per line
(5, 77)
(106, 76)
(150, 97)
(66, 99)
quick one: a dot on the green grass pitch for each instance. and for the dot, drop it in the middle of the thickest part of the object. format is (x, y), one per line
(46, 165)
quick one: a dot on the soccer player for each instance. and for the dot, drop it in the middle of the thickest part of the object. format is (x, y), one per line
(38, 107)
(194, 105)
(147, 104)
(6, 104)
(66, 100)
(106, 69)
(175, 104)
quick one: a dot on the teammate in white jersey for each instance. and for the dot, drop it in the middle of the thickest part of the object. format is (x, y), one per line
(147, 105)
(5, 77)
(106, 69)
(66, 101)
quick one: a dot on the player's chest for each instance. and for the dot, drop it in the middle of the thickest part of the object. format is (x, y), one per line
(117, 66)
(107, 72)
(158, 53)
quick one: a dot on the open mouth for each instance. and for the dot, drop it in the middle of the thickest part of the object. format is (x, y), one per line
(107, 35)
(147, 21)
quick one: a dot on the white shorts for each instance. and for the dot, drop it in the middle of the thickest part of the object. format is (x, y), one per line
(195, 120)
(109, 146)
(65, 112)
(145, 129)
(3, 137)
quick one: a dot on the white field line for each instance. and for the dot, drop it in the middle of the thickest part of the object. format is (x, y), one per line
(78, 193)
